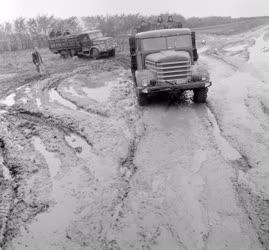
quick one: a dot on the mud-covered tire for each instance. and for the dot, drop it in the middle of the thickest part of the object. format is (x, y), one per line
(200, 95)
(71, 53)
(64, 54)
(95, 53)
(141, 99)
(112, 53)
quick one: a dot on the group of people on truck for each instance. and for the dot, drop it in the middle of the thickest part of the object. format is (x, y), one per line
(54, 33)
(160, 24)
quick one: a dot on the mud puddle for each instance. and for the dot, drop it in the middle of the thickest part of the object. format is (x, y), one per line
(100, 94)
(80, 145)
(72, 91)
(55, 96)
(100, 166)
(52, 161)
(228, 152)
(9, 100)
(257, 51)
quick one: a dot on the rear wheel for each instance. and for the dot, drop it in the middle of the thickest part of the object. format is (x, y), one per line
(141, 99)
(64, 54)
(71, 53)
(95, 53)
(200, 95)
(112, 53)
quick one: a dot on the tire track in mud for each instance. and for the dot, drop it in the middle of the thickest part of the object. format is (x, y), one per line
(242, 162)
(34, 119)
(14, 208)
(49, 121)
(127, 170)
(253, 204)
(82, 108)
(55, 83)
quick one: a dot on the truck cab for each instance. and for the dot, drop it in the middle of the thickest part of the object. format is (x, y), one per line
(95, 44)
(164, 60)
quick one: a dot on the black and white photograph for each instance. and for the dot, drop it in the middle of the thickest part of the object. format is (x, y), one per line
(134, 125)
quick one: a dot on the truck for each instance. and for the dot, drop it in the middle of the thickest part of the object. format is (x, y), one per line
(91, 43)
(165, 60)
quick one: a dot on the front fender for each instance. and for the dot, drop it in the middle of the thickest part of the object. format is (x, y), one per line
(200, 69)
(99, 48)
(143, 77)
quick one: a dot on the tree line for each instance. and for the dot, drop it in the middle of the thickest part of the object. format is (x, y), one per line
(24, 33)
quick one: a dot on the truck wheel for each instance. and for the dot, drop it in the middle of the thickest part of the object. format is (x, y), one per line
(112, 53)
(65, 54)
(95, 53)
(141, 99)
(200, 95)
(71, 53)
(62, 54)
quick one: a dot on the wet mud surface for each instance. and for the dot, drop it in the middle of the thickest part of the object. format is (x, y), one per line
(83, 167)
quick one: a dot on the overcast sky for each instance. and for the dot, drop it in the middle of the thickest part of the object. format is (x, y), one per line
(11, 9)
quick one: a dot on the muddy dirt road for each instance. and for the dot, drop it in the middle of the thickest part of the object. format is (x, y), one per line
(83, 167)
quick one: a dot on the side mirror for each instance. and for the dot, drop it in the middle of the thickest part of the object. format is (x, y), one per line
(194, 50)
(132, 45)
(193, 39)
(195, 55)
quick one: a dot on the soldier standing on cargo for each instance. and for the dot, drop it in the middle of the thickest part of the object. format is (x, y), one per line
(160, 24)
(170, 22)
(37, 60)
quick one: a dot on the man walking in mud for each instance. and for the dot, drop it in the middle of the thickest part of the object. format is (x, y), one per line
(37, 60)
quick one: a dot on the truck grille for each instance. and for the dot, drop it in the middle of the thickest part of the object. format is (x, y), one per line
(170, 71)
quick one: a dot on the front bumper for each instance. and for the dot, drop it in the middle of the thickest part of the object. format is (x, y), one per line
(166, 87)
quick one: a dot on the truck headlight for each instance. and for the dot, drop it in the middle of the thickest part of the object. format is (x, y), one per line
(145, 82)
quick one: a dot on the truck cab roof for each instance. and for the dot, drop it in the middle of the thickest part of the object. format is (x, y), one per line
(89, 32)
(163, 33)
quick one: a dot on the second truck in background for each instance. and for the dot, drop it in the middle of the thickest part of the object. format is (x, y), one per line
(90, 43)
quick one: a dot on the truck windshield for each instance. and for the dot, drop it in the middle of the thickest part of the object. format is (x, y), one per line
(95, 35)
(163, 43)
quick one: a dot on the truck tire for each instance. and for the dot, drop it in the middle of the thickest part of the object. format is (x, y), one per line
(95, 53)
(63, 54)
(200, 95)
(141, 99)
(72, 53)
(112, 53)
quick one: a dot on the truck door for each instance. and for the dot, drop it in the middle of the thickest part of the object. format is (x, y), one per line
(85, 42)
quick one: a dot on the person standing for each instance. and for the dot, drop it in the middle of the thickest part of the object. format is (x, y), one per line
(160, 24)
(37, 60)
